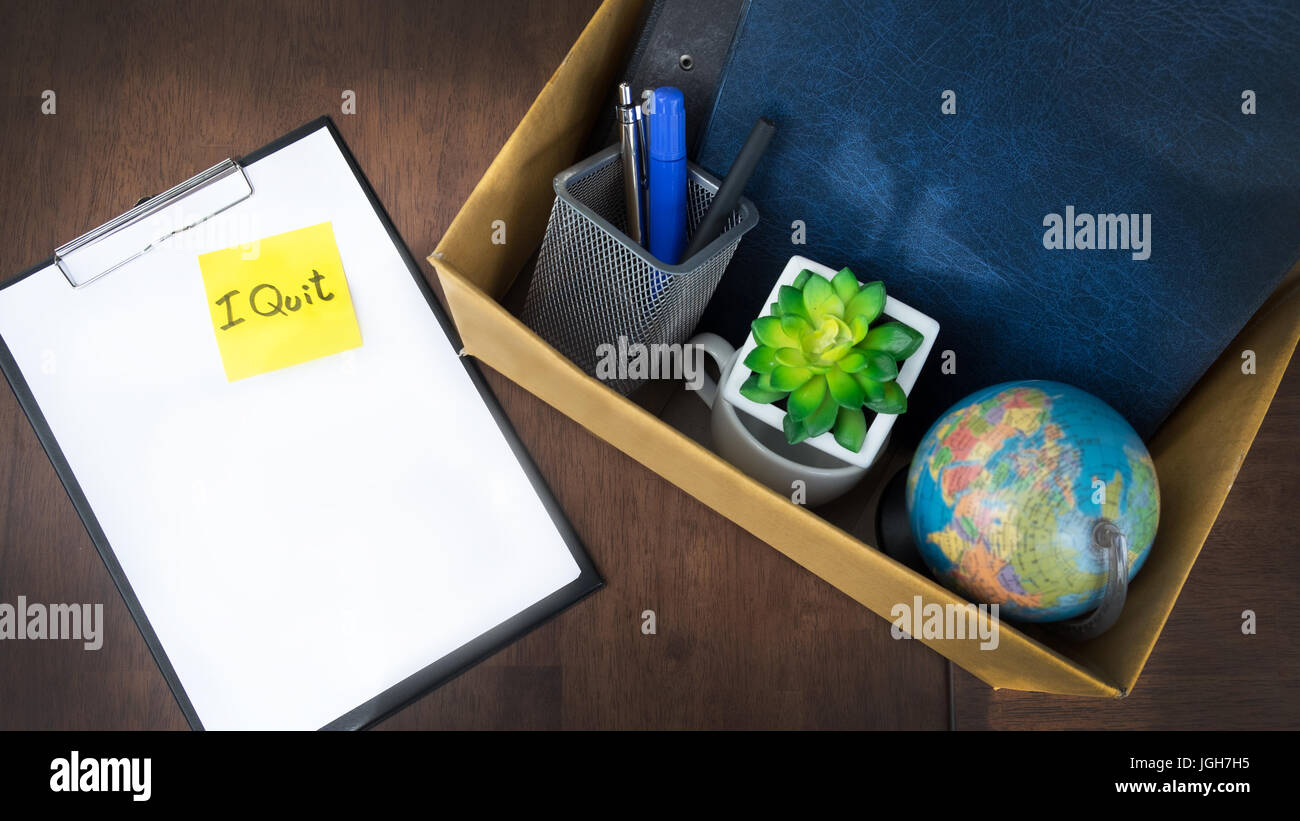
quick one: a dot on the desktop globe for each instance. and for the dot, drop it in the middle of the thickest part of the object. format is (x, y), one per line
(1006, 487)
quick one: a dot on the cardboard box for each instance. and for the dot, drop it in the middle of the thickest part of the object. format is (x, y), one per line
(1198, 451)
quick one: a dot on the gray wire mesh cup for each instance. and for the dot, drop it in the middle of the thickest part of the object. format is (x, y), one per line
(593, 286)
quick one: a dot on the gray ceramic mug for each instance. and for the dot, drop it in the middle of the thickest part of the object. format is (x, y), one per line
(760, 450)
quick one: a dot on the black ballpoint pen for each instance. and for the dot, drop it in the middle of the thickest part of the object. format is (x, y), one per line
(732, 187)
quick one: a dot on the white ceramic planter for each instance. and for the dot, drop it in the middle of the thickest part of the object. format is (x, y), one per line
(880, 426)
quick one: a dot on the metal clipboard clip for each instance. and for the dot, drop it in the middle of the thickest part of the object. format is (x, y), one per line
(153, 222)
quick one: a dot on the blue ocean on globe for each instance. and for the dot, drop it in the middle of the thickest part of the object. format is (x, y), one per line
(1006, 487)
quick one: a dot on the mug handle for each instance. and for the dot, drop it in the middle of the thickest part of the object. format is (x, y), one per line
(721, 352)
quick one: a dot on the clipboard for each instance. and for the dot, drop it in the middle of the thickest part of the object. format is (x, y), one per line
(478, 550)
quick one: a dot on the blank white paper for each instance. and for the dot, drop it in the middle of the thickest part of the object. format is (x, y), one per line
(304, 539)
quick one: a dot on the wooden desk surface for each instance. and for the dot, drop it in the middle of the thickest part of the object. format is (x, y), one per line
(147, 93)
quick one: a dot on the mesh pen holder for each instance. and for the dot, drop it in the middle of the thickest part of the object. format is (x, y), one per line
(593, 286)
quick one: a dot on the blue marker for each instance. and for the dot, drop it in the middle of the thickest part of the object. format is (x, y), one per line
(666, 175)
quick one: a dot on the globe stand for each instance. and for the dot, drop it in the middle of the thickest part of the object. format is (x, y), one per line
(1112, 547)
(894, 538)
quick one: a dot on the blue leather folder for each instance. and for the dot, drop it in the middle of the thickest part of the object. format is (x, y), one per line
(1105, 108)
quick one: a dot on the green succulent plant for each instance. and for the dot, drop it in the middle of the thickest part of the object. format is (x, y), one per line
(818, 351)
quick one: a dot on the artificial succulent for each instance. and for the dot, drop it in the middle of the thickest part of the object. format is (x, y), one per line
(818, 351)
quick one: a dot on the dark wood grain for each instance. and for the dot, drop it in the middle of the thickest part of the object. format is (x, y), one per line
(151, 92)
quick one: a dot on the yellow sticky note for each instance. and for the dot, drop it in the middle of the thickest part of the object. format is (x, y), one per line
(279, 301)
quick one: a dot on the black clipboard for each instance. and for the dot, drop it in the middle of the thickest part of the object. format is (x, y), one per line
(405, 692)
